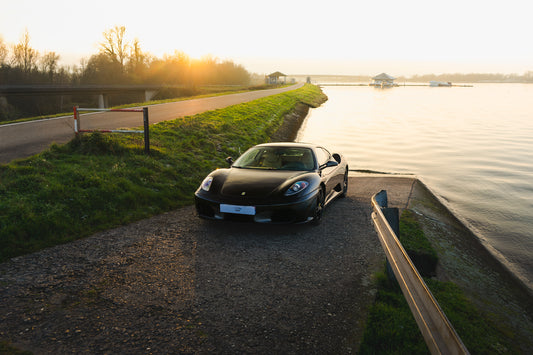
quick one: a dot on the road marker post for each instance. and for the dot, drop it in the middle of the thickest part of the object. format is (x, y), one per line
(146, 131)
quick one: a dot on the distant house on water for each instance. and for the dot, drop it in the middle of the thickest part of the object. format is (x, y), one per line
(274, 78)
(383, 80)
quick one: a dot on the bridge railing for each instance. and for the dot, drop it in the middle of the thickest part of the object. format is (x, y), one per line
(438, 333)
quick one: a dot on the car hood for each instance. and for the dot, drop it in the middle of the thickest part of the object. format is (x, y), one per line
(257, 182)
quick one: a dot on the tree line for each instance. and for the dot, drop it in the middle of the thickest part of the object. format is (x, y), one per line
(118, 61)
(527, 77)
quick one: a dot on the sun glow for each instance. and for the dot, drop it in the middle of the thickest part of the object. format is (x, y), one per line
(342, 37)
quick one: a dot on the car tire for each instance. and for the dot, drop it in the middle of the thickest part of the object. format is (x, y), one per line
(345, 184)
(319, 207)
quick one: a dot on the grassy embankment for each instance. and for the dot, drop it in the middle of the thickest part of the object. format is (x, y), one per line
(99, 181)
(391, 327)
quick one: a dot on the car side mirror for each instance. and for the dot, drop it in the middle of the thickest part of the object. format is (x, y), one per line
(229, 160)
(329, 164)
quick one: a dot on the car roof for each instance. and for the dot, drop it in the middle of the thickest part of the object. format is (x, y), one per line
(288, 144)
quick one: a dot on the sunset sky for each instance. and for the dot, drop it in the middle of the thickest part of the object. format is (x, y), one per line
(296, 37)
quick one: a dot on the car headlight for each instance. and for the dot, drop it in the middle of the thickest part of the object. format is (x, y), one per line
(297, 187)
(206, 184)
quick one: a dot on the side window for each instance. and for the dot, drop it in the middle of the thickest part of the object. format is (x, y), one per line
(323, 156)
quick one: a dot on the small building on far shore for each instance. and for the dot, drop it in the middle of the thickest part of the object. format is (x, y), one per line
(383, 80)
(275, 78)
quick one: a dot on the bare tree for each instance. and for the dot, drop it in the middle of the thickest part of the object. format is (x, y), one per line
(3, 51)
(136, 55)
(24, 56)
(49, 62)
(114, 44)
(138, 60)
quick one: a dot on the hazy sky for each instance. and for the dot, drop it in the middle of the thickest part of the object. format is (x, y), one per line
(400, 37)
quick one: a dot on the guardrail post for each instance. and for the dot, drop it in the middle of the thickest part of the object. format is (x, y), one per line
(146, 131)
(392, 215)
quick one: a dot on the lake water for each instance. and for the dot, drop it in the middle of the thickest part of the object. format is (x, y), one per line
(472, 146)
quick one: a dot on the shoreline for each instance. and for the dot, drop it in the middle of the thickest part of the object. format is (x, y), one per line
(447, 214)
(464, 259)
(478, 242)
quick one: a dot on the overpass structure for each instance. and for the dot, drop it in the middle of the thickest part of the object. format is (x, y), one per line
(102, 91)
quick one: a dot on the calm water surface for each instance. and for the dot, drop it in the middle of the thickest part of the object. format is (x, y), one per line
(473, 146)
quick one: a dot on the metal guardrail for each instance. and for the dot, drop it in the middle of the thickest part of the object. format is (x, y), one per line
(438, 333)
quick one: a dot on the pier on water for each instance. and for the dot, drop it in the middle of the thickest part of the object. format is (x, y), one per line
(395, 85)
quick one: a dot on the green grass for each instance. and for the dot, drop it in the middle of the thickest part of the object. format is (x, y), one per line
(417, 245)
(100, 181)
(412, 236)
(391, 327)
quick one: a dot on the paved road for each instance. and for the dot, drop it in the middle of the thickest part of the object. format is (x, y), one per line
(21, 140)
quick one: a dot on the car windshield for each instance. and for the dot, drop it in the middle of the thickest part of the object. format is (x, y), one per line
(277, 158)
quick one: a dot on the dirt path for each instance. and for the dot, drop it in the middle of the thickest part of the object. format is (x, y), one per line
(177, 284)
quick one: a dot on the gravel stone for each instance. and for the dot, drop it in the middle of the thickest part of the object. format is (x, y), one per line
(175, 283)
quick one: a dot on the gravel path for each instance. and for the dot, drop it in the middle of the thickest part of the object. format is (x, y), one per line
(177, 284)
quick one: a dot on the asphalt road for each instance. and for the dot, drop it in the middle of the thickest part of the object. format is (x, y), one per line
(21, 140)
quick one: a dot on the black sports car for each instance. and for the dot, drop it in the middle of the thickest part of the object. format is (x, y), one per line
(274, 183)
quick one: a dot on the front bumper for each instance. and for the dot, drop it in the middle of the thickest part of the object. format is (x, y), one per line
(298, 211)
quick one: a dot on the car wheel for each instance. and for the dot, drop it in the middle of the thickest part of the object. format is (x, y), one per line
(345, 184)
(319, 207)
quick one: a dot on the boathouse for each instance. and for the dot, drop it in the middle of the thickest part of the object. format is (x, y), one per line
(274, 78)
(383, 80)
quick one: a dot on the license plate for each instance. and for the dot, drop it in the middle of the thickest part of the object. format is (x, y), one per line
(247, 210)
